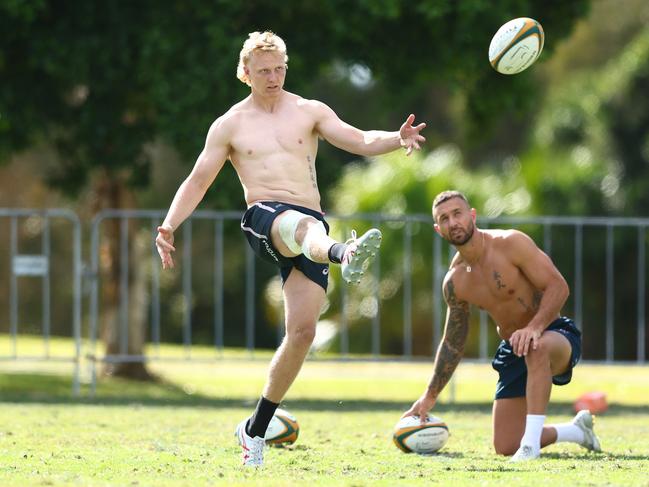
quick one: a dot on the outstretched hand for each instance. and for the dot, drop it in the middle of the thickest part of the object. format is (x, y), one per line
(410, 136)
(164, 243)
(421, 407)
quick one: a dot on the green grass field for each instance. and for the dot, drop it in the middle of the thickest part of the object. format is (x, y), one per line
(180, 431)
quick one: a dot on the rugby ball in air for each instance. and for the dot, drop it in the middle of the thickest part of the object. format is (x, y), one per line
(413, 436)
(516, 45)
(282, 429)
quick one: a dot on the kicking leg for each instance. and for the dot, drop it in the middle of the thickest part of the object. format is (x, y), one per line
(294, 233)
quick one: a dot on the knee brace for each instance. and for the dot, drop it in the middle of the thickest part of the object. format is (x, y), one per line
(287, 227)
(314, 233)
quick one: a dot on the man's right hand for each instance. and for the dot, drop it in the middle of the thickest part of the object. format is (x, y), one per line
(164, 243)
(421, 407)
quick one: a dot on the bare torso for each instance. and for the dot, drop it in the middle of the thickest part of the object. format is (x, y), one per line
(497, 285)
(274, 153)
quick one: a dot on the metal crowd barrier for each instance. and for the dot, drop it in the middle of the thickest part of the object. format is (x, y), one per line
(36, 264)
(403, 230)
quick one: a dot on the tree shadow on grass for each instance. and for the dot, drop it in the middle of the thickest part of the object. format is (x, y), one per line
(31, 388)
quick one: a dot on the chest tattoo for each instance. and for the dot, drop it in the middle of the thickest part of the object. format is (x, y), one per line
(498, 279)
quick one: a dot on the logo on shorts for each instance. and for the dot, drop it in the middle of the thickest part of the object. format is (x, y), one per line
(325, 271)
(269, 250)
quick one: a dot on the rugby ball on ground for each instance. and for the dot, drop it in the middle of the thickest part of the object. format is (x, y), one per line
(516, 45)
(413, 436)
(282, 429)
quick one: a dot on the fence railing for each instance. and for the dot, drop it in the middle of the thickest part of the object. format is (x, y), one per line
(34, 256)
(221, 294)
(412, 229)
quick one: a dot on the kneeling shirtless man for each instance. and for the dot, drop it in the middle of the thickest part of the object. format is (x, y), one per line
(506, 274)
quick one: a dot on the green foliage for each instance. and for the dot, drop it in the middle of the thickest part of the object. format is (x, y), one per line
(597, 124)
(103, 79)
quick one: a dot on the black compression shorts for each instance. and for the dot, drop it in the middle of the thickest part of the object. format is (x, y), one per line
(256, 224)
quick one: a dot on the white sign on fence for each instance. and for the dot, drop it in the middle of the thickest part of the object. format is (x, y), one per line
(30, 265)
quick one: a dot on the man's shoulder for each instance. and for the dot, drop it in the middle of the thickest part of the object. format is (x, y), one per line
(452, 279)
(307, 105)
(501, 233)
(237, 110)
(453, 290)
(508, 237)
(230, 119)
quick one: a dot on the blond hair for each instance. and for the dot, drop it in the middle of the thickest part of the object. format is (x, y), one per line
(262, 41)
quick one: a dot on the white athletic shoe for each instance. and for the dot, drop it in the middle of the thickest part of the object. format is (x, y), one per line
(359, 250)
(524, 454)
(253, 448)
(584, 421)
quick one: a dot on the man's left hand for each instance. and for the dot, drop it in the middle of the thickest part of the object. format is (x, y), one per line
(410, 136)
(520, 340)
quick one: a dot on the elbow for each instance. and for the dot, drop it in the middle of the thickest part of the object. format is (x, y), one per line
(564, 291)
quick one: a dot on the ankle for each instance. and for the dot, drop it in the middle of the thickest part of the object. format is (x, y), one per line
(336, 252)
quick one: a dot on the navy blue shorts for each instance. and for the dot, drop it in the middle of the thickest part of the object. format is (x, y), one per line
(256, 223)
(512, 370)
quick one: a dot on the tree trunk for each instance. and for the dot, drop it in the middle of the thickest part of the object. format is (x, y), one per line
(112, 192)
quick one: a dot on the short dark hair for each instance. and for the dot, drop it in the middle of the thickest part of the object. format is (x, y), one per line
(447, 195)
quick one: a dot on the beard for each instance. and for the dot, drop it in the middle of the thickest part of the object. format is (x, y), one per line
(462, 237)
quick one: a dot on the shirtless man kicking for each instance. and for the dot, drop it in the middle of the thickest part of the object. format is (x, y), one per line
(271, 138)
(506, 274)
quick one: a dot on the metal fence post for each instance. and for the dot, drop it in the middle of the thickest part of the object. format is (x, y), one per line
(407, 290)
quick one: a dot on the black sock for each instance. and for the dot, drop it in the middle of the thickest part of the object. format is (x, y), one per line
(336, 252)
(258, 422)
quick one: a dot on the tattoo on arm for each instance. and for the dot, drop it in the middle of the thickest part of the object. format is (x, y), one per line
(451, 349)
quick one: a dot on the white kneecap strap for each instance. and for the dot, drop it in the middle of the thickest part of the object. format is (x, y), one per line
(287, 226)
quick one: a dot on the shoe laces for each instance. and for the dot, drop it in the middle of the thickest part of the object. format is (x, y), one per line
(254, 451)
(352, 239)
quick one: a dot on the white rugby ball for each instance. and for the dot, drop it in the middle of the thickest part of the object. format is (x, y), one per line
(411, 436)
(516, 45)
(283, 428)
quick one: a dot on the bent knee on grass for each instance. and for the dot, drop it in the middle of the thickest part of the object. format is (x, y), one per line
(506, 448)
(508, 424)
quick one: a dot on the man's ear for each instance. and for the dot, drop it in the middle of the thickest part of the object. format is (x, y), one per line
(474, 214)
(436, 227)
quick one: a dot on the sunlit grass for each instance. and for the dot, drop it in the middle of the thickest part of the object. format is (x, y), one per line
(179, 431)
